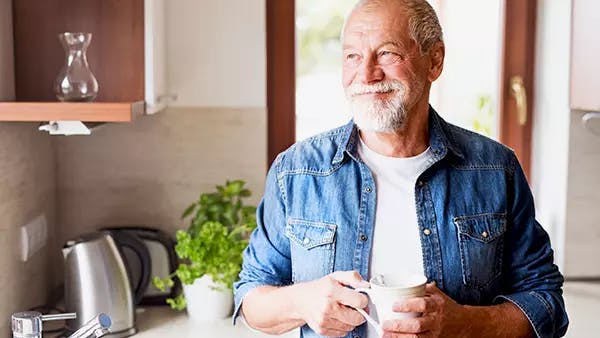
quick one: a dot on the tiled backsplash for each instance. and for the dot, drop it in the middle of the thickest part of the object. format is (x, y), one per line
(27, 189)
(149, 171)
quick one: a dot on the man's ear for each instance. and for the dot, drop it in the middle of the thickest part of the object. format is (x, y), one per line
(436, 56)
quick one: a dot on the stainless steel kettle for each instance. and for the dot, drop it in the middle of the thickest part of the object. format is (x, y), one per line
(97, 281)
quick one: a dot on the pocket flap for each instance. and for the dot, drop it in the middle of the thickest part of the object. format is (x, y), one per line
(484, 227)
(309, 234)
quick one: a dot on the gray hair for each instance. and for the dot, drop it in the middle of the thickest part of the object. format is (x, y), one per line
(423, 24)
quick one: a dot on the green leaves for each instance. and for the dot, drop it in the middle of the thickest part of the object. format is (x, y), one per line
(177, 303)
(188, 211)
(220, 225)
(483, 120)
(162, 284)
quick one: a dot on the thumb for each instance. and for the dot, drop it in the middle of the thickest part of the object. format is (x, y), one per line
(431, 288)
(350, 278)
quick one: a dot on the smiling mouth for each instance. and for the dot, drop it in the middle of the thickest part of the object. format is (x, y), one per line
(373, 93)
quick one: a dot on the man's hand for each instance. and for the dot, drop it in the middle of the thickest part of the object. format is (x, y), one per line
(441, 317)
(326, 304)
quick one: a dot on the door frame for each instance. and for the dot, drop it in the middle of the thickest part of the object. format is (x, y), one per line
(281, 76)
(518, 59)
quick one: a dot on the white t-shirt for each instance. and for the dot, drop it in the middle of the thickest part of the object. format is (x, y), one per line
(396, 245)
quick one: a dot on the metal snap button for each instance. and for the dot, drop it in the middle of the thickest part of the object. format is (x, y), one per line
(306, 240)
(363, 238)
(484, 234)
(368, 189)
(427, 232)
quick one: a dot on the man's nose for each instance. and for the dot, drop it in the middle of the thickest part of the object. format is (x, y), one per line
(370, 71)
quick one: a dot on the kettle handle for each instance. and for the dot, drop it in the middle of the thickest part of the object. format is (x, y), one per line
(132, 242)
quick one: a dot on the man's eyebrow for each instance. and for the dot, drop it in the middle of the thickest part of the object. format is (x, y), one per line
(386, 43)
(393, 43)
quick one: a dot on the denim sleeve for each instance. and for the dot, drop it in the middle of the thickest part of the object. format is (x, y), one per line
(267, 257)
(533, 282)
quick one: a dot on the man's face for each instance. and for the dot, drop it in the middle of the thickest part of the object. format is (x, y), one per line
(384, 74)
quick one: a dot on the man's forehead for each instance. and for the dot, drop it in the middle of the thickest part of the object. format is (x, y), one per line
(362, 26)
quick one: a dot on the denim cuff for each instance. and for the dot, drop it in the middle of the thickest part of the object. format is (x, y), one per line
(537, 310)
(240, 293)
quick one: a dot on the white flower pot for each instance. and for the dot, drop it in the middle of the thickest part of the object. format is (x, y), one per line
(206, 304)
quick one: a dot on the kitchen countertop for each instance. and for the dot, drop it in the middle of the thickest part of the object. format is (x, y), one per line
(161, 321)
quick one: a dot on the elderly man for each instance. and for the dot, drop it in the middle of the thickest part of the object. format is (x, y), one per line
(399, 189)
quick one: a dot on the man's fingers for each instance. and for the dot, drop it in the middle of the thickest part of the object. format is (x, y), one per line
(409, 335)
(409, 325)
(352, 298)
(333, 328)
(331, 332)
(431, 288)
(350, 316)
(416, 304)
(347, 296)
(350, 278)
(340, 325)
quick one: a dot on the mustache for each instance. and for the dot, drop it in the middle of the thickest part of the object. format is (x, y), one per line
(380, 87)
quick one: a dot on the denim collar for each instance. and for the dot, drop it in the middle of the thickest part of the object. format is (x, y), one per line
(439, 142)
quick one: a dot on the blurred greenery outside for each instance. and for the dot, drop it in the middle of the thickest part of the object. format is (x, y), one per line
(318, 27)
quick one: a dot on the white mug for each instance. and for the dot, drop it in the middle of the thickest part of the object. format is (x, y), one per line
(387, 289)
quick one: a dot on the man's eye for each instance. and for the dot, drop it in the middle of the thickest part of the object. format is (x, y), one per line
(387, 57)
(352, 59)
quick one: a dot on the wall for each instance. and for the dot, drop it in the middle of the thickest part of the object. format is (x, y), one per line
(149, 171)
(582, 232)
(550, 139)
(27, 189)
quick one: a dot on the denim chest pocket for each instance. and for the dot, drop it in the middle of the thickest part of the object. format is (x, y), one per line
(312, 246)
(481, 244)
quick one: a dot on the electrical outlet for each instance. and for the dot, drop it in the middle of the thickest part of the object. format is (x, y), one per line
(34, 236)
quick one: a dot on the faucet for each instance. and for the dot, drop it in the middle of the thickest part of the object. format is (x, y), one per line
(28, 324)
(95, 327)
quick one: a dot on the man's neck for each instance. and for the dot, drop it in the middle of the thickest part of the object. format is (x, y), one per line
(411, 140)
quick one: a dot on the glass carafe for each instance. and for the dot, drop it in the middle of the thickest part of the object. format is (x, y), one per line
(75, 82)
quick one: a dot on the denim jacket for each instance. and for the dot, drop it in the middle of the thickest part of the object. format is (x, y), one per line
(480, 240)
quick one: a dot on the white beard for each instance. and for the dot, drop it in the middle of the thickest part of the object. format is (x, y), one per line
(378, 115)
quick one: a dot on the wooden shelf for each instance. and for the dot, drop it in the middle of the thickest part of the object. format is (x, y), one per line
(71, 111)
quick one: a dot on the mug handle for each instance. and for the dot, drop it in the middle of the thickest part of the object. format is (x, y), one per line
(369, 319)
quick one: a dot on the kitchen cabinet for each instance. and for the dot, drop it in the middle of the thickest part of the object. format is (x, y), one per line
(157, 95)
(585, 53)
(127, 56)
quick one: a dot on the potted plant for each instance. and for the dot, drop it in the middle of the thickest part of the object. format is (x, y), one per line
(210, 251)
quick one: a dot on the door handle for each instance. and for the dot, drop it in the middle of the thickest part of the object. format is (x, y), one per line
(517, 89)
